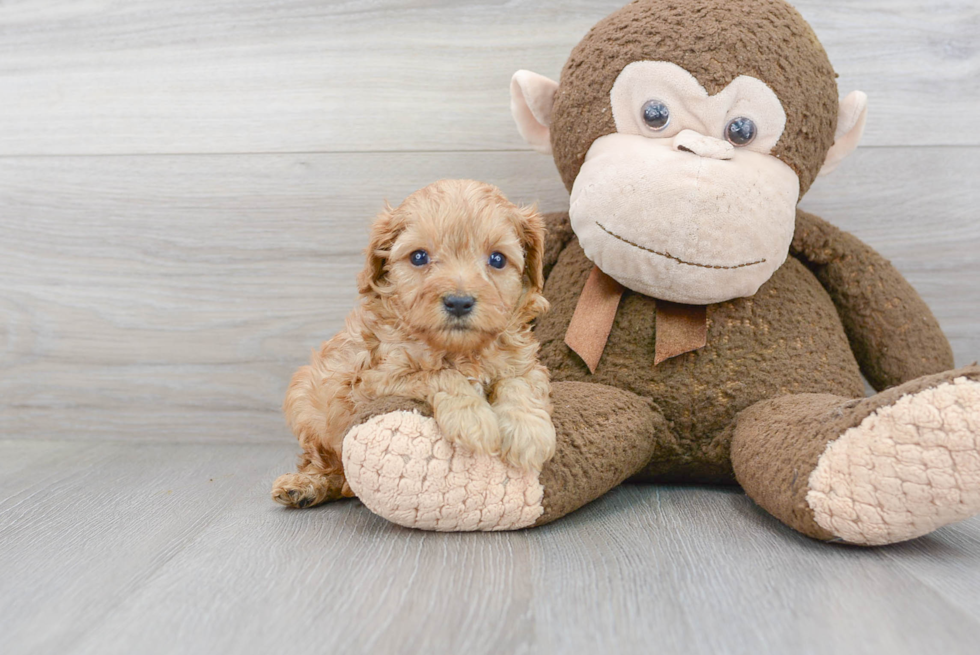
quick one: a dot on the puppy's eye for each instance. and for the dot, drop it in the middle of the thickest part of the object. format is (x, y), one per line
(419, 258)
(497, 260)
(740, 131)
(656, 115)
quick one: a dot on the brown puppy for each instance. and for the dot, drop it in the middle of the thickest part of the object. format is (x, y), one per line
(452, 281)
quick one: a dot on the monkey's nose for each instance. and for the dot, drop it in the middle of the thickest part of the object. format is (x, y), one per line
(702, 146)
(459, 306)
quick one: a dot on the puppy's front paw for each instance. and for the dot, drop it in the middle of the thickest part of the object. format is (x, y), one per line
(528, 438)
(470, 422)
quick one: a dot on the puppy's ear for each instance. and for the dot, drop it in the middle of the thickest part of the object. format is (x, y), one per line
(530, 230)
(384, 231)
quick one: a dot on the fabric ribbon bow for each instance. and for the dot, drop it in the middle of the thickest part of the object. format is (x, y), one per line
(679, 328)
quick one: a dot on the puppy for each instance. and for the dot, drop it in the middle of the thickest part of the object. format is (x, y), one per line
(452, 281)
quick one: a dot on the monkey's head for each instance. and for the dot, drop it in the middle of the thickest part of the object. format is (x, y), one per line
(686, 133)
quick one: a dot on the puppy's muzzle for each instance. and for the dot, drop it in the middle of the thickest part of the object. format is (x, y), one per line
(459, 306)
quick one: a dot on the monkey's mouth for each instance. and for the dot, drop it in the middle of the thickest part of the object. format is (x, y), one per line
(671, 257)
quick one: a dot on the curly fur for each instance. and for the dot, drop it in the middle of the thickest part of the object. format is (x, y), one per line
(479, 372)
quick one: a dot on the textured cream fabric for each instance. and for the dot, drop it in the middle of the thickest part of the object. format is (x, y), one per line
(906, 470)
(402, 469)
(681, 227)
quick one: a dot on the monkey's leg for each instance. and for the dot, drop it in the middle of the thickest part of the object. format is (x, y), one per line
(401, 467)
(870, 471)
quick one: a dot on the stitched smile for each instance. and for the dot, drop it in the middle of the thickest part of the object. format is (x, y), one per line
(669, 256)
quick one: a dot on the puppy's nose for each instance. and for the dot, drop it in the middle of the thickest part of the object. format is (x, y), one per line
(459, 306)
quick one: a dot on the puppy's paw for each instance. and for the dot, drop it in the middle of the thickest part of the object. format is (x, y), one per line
(302, 490)
(528, 438)
(469, 422)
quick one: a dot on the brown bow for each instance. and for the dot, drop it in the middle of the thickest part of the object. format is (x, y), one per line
(679, 328)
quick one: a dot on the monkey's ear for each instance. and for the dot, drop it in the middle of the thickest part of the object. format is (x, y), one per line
(531, 98)
(850, 126)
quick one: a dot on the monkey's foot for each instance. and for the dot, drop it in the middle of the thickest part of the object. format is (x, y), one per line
(905, 470)
(399, 464)
(403, 469)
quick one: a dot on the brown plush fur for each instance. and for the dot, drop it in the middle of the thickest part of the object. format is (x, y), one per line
(796, 337)
(892, 332)
(787, 338)
(715, 41)
(778, 442)
(835, 308)
(479, 372)
(755, 350)
(780, 376)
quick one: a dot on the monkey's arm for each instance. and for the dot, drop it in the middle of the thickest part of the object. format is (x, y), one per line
(893, 334)
(558, 234)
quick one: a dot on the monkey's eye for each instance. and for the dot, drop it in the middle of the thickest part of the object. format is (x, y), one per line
(497, 260)
(656, 115)
(740, 131)
(419, 258)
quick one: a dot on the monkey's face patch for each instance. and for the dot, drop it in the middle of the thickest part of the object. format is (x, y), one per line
(685, 202)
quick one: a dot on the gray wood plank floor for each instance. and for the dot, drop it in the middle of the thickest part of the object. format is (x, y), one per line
(176, 548)
(185, 190)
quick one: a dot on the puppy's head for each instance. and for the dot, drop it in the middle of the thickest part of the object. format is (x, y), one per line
(457, 264)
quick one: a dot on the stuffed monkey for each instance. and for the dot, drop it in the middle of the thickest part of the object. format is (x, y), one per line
(704, 329)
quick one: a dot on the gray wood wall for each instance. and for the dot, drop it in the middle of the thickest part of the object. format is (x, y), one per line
(185, 186)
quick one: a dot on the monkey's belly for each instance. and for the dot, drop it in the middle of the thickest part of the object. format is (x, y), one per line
(785, 339)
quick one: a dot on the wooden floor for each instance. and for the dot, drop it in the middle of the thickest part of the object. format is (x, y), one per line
(161, 548)
(185, 189)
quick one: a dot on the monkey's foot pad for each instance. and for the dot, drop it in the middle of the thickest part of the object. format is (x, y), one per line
(404, 470)
(907, 469)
